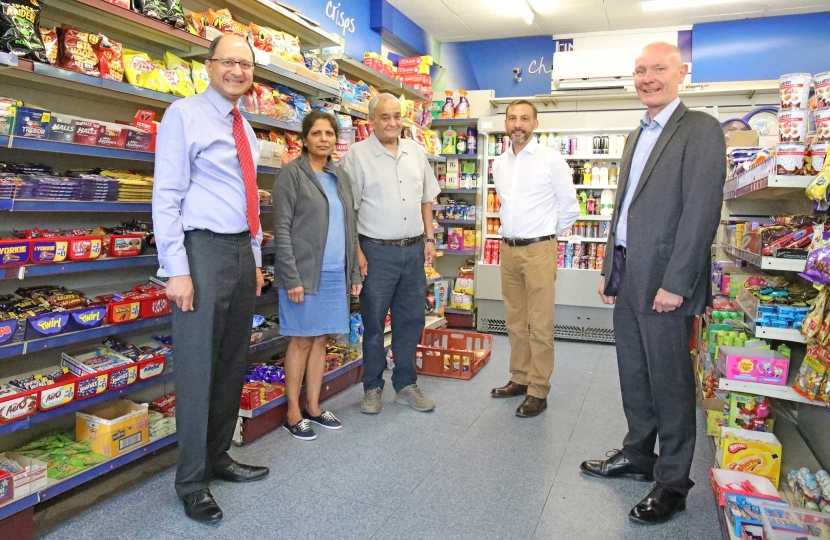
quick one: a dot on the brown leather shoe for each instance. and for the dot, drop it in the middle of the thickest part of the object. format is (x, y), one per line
(532, 406)
(510, 389)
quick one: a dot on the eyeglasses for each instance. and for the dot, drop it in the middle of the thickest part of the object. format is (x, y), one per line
(228, 63)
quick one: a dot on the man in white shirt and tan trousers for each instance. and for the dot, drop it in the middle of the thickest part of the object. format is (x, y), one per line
(538, 203)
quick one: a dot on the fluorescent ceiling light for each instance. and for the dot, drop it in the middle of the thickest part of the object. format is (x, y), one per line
(664, 5)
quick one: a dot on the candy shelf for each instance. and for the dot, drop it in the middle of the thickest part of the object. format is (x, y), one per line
(436, 159)
(18, 205)
(471, 191)
(750, 308)
(769, 390)
(353, 109)
(357, 70)
(457, 251)
(770, 187)
(275, 15)
(55, 488)
(460, 156)
(69, 267)
(269, 344)
(288, 77)
(55, 147)
(80, 404)
(456, 221)
(253, 413)
(37, 345)
(454, 121)
(765, 263)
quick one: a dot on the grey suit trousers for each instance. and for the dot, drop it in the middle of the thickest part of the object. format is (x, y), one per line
(658, 388)
(210, 352)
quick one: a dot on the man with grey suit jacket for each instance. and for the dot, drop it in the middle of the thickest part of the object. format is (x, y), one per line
(656, 275)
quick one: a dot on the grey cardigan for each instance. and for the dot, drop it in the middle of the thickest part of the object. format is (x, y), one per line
(301, 222)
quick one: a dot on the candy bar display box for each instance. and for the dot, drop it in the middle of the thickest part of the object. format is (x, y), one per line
(751, 452)
(753, 365)
(114, 428)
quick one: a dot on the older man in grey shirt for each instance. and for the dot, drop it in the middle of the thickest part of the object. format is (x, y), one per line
(393, 187)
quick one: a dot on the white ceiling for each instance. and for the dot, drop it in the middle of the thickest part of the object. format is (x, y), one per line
(470, 20)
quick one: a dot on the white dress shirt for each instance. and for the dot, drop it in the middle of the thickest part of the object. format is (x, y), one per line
(536, 192)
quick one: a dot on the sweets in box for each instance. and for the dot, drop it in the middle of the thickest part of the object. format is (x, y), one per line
(753, 365)
(751, 452)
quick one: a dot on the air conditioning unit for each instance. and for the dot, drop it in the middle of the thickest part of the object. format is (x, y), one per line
(594, 68)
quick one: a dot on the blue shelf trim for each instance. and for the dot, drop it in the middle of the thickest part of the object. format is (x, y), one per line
(295, 77)
(270, 122)
(6, 204)
(458, 251)
(56, 489)
(270, 344)
(326, 378)
(82, 206)
(456, 221)
(77, 405)
(459, 191)
(112, 263)
(460, 156)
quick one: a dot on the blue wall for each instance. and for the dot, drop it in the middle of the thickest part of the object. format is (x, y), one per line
(399, 30)
(363, 38)
(485, 65)
(758, 49)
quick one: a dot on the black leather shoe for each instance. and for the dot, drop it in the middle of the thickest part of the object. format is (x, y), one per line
(201, 506)
(510, 389)
(659, 506)
(531, 406)
(616, 466)
(237, 472)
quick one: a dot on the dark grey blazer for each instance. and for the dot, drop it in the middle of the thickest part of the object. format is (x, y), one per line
(675, 213)
(301, 223)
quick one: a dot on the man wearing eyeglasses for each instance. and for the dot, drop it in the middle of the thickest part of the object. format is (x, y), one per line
(208, 233)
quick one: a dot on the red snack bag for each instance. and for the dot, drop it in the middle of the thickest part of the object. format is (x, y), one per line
(265, 100)
(78, 51)
(110, 63)
(293, 149)
(248, 103)
(50, 43)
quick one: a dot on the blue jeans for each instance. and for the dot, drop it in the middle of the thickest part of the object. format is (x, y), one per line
(395, 280)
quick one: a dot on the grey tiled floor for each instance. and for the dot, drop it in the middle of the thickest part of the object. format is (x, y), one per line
(470, 470)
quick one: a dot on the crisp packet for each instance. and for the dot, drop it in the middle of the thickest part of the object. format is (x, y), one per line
(817, 190)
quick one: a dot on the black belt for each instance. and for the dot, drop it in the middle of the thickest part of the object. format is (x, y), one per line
(527, 241)
(402, 242)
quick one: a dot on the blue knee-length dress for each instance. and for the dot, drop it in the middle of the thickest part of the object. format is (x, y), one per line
(326, 312)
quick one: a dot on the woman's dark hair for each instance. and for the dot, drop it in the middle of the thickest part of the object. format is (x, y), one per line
(313, 116)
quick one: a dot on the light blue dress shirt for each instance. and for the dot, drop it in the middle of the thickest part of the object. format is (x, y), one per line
(334, 254)
(198, 179)
(645, 144)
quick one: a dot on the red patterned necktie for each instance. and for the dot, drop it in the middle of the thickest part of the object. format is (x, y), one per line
(246, 162)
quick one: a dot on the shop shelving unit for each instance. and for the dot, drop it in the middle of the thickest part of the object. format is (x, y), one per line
(81, 95)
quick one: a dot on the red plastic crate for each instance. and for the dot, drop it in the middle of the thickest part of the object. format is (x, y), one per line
(463, 349)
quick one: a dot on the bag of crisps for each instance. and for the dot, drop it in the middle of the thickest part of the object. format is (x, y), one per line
(284, 110)
(267, 39)
(221, 20)
(265, 100)
(292, 49)
(50, 44)
(184, 84)
(110, 62)
(199, 73)
(140, 70)
(196, 23)
(78, 50)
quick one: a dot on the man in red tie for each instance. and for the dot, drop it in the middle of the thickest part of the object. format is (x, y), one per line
(208, 233)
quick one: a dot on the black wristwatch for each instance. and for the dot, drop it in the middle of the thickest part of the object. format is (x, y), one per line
(431, 240)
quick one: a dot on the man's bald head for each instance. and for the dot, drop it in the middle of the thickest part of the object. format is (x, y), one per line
(658, 73)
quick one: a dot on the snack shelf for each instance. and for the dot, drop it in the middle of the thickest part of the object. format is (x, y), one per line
(73, 83)
(54, 488)
(269, 344)
(281, 17)
(282, 75)
(454, 121)
(253, 413)
(55, 147)
(459, 191)
(22, 205)
(457, 251)
(749, 305)
(460, 156)
(37, 345)
(765, 263)
(770, 187)
(456, 221)
(436, 159)
(80, 404)
(358, 70)
(69, 267)
(353, 109)
(769, 390)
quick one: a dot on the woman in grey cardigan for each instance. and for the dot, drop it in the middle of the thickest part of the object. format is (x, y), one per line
(315, 234)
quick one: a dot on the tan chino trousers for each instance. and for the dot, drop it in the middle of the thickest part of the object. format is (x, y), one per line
(528, 286)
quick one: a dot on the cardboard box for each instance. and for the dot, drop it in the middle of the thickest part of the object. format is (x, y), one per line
(32, 123)
(741, 138)
(754, 365)
(714, 422)
(62, 129)
(32, 479)
(745, 511)
(114, 428)
(452, 166)
(750, 452)
(738, 483)
(87, 132)
(6, 486)
(416, 61)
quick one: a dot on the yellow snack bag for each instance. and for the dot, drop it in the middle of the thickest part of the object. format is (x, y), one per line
(292, 49)
(199, 73)
(165, 77)
(140, 70)
(184, 83)
(817, 190)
